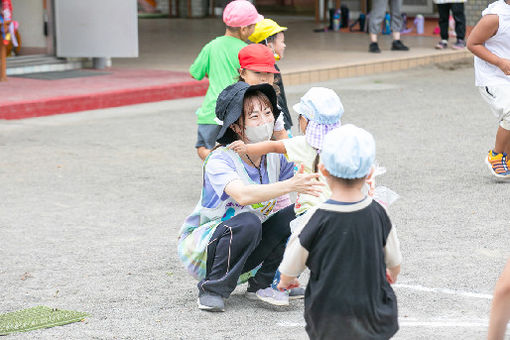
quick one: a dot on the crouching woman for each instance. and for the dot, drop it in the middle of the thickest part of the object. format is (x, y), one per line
(232, 235)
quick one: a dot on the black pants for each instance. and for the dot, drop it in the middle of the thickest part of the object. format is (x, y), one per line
(458, 16)
(242, 243)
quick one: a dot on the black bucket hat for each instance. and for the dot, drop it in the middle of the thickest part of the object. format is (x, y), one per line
(229, 106)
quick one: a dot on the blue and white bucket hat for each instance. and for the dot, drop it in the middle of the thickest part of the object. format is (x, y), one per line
(348, 152)
(323, 109)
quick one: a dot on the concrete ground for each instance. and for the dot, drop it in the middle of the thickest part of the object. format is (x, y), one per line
(91, 205)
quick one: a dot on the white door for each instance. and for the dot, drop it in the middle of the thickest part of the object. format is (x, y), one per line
(96, 28)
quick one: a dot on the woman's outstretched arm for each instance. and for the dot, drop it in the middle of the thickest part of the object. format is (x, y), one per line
(256, 193)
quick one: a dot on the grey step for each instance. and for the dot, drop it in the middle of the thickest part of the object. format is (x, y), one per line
(32, 60)
(38, 64)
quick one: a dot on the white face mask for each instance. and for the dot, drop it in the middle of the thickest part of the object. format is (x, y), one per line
(260, 133)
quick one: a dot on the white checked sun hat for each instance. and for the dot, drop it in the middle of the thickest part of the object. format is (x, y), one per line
(323, 109)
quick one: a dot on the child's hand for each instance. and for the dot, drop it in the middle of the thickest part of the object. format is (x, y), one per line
(288, 283)
(392, 273)
(388, 277)
(238, 146)
(504, 66)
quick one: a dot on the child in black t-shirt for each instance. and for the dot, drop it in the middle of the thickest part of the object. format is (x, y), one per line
(347, 243)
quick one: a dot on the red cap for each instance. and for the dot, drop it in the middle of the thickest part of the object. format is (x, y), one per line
(258, 58)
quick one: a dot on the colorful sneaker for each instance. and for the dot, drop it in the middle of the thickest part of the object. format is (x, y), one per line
(269, 295)
(498, 164)
(211, 302)
(441, 45)
(297, 293)
(459, 45)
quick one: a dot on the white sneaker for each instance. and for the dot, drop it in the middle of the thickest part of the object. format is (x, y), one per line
(270, 295)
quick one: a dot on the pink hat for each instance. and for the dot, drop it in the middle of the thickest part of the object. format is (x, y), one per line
(240, 13)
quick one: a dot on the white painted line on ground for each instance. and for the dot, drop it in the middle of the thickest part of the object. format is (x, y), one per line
(289, 324)
(443, 290)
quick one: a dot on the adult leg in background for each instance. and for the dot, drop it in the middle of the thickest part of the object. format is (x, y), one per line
(444, 14)
(460, 19)
(376, 18)
(396, 18)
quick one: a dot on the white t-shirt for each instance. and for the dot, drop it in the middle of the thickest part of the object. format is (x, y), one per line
(300, 152)
(487, 74)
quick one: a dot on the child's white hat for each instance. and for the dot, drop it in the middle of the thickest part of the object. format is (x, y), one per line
(320, 105)
(348, 152)
(323, 109)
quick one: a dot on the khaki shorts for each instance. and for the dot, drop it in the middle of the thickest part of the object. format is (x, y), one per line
(498, 98)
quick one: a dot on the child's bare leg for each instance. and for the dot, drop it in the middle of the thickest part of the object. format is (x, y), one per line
(500, 311)
(502, 141)
(203, 152)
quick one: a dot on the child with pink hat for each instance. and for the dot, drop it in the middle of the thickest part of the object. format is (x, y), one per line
(218, 61)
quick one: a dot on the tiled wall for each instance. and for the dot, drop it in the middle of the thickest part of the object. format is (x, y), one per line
(473, 9)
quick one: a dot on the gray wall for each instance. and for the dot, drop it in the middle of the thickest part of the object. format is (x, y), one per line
(29, 14)
(473, 9)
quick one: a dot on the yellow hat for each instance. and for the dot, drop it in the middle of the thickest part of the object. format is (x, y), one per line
(264, 29)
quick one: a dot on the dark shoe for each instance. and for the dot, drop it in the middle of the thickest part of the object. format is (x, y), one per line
(459, 45)
(397, 45)
(297, 293)
(374, 48)
(211, 302)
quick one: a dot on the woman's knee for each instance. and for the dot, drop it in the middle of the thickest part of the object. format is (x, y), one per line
(247, 223)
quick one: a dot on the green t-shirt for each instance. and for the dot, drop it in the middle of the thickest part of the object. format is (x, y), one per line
(219, 62)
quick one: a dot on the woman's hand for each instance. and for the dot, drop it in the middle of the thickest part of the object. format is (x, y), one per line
(306, 183)
(504, 65)
(238, 146)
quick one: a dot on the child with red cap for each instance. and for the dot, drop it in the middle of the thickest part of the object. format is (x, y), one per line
(257, 66)
(219, 62)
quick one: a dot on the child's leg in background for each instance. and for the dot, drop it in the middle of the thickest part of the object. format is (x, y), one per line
(500, 310)
(460, 19)
(444, 15)
(498, 98)
(502, 144)
(206, 139)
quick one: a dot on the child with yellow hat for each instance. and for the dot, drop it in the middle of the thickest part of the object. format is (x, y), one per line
(269, 33)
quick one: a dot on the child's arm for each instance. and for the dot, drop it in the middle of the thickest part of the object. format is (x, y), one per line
(199, 68)
(500, 310)
(258, 149)
(287, 282)
(279, 135)
(486, 28)
(392, 255)
(246, 194)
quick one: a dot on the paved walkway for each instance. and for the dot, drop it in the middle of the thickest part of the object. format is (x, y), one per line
(309, 56)
(26, 98)
(169, 46)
